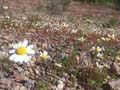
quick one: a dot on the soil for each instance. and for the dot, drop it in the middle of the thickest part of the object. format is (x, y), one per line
(30, 6)
(58, 33)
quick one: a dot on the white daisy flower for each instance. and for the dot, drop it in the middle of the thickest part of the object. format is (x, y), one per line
(44, 55)
(21, 52)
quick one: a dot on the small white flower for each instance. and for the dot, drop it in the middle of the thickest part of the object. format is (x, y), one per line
(58, 64)
(89, 20)
(103, 38)
(82, 39)
(5, 7)
(93, 48)
(44, 55)
(99, 49)
(99, 66)
(113, 36)
(8, 17)
(3, 55)
(74, 31)
(21, 52)
(65, 24)
(100, 55)
(24, 17)
(61, 84)
(106, 65)
(117, 58)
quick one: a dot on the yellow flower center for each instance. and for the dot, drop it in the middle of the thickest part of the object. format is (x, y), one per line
(117, 58)
(44, 56)
(98, 40)
(21, 50)
(98, 49)
(113, 36)
(107, 39)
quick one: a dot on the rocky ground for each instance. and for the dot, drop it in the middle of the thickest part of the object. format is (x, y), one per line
(82, 42)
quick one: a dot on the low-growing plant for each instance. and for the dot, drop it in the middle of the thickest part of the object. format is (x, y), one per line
(97, 79)
(56, 6)
(42, 85)
(101, 1)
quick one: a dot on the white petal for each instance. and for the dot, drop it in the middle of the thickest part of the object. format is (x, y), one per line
(17, 58)
(12, 57)
(15, 46)
(40, 53)
(20, 58)
(45, 52)
(30, 47)
(25, 43)
(23, 58)
(12, 51)
(60, 85)
(30, 51)
(48, 57)
(27, 58)
(19, 44)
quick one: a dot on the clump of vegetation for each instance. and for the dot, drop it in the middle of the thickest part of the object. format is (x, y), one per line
(56, 6)
(42, 85)
(101, 1)
(97, 79)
